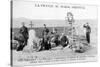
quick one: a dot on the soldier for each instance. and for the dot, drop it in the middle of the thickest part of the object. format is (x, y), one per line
(45, 43)
(88, 31)
(24, 32)
(22, 37)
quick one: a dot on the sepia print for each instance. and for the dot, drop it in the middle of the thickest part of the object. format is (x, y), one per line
(52, 33)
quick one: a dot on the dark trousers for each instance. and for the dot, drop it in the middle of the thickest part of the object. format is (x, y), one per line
(45, 45)
(22, 45)
(88, 37)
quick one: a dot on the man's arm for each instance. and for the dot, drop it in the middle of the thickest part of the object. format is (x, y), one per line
(21, 30)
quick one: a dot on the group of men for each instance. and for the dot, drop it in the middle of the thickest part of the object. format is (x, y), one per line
(46, 37)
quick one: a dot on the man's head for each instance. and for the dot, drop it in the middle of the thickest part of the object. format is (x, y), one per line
(44, 25)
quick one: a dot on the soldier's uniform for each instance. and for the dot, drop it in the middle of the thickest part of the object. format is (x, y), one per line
(45, 35)
(88, 31)
(45, 31)
(24, 32)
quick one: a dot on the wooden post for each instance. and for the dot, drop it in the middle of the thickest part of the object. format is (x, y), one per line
(31, 24)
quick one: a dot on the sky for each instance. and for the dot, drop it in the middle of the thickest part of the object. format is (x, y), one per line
(29, 10)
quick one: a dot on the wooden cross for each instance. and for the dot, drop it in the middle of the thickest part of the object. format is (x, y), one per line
(31, 24)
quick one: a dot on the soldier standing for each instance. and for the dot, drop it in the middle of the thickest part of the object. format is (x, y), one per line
(88, 31)
(24, 32)
(45, 43)
(23, 38)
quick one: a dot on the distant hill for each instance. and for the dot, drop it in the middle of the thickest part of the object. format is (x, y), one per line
(55, 23)
(17, 22)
